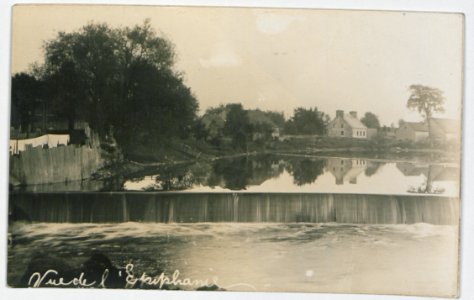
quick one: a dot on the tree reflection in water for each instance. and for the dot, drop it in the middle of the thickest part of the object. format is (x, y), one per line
(306, 170)
(243, 172)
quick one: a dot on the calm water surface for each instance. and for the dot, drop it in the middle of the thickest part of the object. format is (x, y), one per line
(270, 173)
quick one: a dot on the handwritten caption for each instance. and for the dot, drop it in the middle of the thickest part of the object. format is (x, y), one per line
(52, 278)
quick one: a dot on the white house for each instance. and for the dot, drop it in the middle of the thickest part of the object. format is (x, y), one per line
(347, 125)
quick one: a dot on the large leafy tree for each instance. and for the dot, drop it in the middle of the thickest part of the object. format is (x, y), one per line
(370, 120)
(427, 101)
(237, 126)
(307, 121)
(79, 68)
(120, 79)
(28, 94)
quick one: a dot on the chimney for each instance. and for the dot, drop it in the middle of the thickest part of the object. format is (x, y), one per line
(353, 114)
(340, 113)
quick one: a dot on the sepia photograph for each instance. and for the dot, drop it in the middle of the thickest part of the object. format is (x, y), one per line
(235, 149)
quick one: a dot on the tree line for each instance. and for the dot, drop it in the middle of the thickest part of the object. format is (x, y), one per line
(119, 80)
(123, 81)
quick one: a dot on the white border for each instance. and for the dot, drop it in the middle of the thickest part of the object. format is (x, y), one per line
(467, 227)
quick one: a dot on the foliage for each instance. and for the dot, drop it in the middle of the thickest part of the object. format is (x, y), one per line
(306, 171)
(27, 95)
(277, 118)
(119, 78)
(370, 120)
(240, 126)
(237, 126)
(262, 133)
(270, 118)
(233, 173)
(426, 100)
(199, 130)
(213, 120)
(307, 121)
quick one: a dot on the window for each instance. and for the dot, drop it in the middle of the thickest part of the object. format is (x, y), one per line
(342, 132)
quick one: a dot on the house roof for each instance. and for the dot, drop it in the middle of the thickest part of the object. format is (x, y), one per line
(353, 122)
(417, 126)
(447, 125)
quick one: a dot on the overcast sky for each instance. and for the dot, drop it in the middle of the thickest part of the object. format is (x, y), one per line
(280, 59)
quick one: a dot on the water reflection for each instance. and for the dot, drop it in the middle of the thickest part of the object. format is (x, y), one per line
(346, 169)
(272, 173)
(305, 171)
(434, 177)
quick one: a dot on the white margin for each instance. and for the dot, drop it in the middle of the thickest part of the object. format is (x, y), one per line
(467, 227)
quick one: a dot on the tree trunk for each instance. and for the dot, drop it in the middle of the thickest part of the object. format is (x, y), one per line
(430, 135)
(429, 181)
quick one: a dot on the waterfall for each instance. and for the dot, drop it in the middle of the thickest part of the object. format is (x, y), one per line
(236, 207)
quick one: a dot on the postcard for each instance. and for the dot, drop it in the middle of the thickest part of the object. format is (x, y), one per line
(235, 149)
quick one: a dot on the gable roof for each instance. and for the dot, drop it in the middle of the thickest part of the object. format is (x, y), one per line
(447, 125)
(353, 122)
(417, 126)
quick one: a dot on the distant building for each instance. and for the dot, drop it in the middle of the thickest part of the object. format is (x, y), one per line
(445, 129)
(412, 131)
(388, 132)
(371, 132)
(275, 133)
(441, 130)
(347, 125)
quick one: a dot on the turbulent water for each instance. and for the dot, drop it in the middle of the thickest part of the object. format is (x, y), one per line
(263, 242)
(401, 259)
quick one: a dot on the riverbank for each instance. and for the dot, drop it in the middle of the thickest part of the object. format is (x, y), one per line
(180, 154)
(189, 151)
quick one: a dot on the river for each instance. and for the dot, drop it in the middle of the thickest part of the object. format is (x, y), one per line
(341, 225)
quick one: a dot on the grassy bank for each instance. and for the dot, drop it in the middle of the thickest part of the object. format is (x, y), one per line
(177, 151)
(375, 148)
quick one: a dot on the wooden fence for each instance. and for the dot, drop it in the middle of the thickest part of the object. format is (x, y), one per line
(61, 164)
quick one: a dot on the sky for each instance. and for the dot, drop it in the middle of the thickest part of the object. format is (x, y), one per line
(281, 59)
